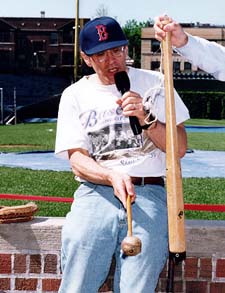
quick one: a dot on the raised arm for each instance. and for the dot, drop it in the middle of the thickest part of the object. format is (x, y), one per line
(209, 56)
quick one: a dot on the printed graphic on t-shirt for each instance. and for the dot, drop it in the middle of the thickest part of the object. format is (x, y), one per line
(111, 137)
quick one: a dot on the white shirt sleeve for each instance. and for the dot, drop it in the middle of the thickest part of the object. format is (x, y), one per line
(70, 133)
(209, 56)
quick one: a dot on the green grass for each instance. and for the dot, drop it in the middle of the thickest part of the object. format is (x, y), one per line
(204, 191)
(205, 122)
(27, 137)
(33, 182)
(206, 141)
(62, 184)
(41, 136)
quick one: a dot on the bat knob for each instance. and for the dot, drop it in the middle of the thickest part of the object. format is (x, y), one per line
(131, 245)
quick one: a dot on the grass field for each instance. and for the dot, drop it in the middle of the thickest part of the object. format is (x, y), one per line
(41, 136)
(205, 122)
(27, 137)
(62, 184)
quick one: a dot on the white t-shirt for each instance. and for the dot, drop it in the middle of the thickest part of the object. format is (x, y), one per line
(209, 56)
(90, 118)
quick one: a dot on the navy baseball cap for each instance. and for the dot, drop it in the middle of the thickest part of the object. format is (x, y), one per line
(100, 34)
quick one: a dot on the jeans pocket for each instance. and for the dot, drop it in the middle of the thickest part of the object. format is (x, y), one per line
(85, 189)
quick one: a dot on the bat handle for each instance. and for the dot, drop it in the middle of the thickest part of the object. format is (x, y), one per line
(129, 215)
(170, 278)
(174, 259)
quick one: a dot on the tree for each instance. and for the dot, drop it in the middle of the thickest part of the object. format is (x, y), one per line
(132, 30)
(102, 10)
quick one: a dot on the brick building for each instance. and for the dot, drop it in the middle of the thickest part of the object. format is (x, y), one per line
(37, 44)
(36, 60)
(151, 52)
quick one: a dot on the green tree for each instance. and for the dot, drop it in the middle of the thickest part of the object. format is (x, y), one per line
(132, 30)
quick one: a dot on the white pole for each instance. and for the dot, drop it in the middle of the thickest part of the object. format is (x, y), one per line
(2, 105)
(14, 99)
(76, 40)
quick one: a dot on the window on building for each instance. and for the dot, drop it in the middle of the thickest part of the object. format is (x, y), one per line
(4, 58)
(38, 46)
(67, 58)
(53, 59)
(68, 37)
(22, 43)
(187, 66)
(42, 60)
(53, 38)
(155, 46)
(176, 66)
(155, 65)
(4, 37)
(39, 60)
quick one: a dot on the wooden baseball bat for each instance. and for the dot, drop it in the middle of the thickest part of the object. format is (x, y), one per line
(131, 245)
(175, 203)
(129, 216)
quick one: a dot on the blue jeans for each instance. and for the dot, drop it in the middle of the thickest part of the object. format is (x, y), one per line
(94, 230)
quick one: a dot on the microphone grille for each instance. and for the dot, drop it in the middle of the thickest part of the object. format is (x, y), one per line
(122, 81)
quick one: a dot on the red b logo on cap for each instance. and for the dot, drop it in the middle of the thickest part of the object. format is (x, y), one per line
(103, 35)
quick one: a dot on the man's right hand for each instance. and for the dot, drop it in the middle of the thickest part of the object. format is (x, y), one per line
(88, 169)
(122, 186)
(178, 37)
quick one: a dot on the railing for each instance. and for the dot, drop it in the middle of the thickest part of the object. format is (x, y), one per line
(187, 206)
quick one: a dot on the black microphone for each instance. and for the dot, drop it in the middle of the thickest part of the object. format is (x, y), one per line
(123, 85)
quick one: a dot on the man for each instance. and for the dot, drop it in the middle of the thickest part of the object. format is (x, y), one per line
(209, 56)
(97, 222)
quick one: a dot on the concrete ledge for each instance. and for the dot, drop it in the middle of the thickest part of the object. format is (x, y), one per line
(41, 234)
(30, 258)
(203, 237)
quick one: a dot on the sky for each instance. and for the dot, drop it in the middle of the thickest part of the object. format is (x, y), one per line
(203, 11)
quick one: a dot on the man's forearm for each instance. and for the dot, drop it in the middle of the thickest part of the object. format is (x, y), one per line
(209, 56)
(86, 168)
(157, 133)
